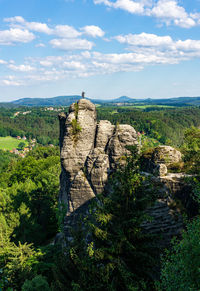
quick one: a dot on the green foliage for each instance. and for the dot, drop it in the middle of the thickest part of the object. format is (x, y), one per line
(166, 125)
(43, 152)
(21, 145)
(28, 197)
(191, 150)
(5, 158)
(36, 284)
(61, 213)
(76, 128)
(180, 268)
(10, 143)
(181, 265)
(118, 255)
(28, 204)
(17, 261)
(40, 124)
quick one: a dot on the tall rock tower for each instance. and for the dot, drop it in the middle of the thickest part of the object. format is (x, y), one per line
(90, 151)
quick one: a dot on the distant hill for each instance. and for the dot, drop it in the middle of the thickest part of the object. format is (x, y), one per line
(67, 100)
(178, 101)
(123, 99)
(54, 101)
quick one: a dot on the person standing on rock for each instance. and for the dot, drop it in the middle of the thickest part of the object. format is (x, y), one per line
(83, 94)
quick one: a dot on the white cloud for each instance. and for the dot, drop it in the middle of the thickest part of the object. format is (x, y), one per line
(11, 81)
(73, 65)
(21, 68)
(167, 11)
(127, 5)
(149, 42)
(62, 31)
(40, 45)
(15, 35)
(71, 44)
(2, 62)
(144, 39)
(46, 63)
(39, 27)
(130, 6)
(141, 50)
(14, 19)
(20, 22)
(188, 45)
(93, 30)
(66, 31)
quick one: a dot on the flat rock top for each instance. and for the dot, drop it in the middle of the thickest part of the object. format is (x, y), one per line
(83, 104)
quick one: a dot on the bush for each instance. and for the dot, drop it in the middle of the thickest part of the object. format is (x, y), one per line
(36, 284)
(76, 128)
(181, 265)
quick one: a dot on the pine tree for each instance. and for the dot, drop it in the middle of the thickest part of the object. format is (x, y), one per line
(118, 254)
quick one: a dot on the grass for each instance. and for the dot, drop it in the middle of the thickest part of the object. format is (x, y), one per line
(10, 143)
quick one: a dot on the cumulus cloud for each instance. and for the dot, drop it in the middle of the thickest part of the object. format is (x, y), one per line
(21, 68)
(161, 43)
(19, 21)
(93, 30)
(66, 31)
(128, 5)
(168, 11)
(171, 12)
(144, 39)
(140, 50)
(2, 62)
(14, 19)
(71, 44)
(15, 35)
(39, 27)
(62, 31)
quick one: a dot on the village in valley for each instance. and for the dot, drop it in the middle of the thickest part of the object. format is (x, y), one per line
(24, 146)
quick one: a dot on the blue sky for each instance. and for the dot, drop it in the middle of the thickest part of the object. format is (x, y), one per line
(108, 48)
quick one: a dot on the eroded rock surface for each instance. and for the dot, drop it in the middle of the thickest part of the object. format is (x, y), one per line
(90, 151)
(166, 155)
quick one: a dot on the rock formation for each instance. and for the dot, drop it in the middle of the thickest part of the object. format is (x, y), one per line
(90, 151)
(162, 157)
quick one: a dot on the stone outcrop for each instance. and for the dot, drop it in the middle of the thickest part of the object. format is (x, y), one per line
(174, 199)
(90, 151)
(162, 157)
(166, 155)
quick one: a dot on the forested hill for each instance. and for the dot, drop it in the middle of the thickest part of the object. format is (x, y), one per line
(67, 100)
(165, 124)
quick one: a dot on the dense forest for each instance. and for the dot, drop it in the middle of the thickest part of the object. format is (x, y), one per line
(118, 254)
(167, 125)
(38, 123)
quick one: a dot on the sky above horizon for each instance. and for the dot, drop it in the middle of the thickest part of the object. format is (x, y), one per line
(107, 48)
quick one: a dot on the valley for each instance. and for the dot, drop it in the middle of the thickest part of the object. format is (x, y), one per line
(124, 176)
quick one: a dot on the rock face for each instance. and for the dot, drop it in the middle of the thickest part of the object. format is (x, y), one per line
(166, 155)
(90, 151)
(174, 199)
(160, 159)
